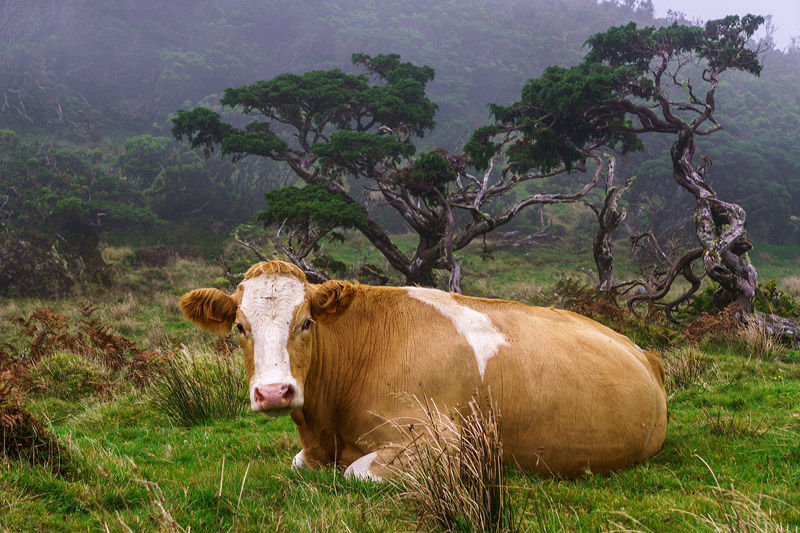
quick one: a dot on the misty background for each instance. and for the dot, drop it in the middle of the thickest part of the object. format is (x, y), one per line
(87, 88)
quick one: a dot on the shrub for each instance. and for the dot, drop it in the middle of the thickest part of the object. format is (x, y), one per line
(200, 390)
(66, 375)
(456, 476)
(22, 436)
(705, 325)
(770, 299)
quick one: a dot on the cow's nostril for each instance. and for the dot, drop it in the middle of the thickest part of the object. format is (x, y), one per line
(275, 396)
(287, 391)
(260, 397)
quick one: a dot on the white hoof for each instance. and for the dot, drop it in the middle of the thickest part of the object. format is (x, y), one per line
(299, 461)
(360, 468)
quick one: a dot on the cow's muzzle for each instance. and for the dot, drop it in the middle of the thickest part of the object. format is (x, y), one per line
(274, 396)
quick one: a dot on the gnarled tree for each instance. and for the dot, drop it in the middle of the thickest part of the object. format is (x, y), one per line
(649, 80)
(344, 133)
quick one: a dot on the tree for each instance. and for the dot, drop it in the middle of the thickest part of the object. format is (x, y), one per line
(609, 215)
(328, 126)
(309, 214)
(649, 80)
(55, 204)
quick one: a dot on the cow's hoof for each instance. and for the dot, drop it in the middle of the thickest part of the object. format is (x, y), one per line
(360, 469)
(299, 461)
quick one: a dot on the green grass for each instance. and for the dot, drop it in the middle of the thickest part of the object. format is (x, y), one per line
(738, 424)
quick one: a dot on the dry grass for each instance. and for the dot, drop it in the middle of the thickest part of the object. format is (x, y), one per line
(791, 285)
(114, 255)
(160, 513)
(121, 310)
(171, 304)
(683, 367)
(156, 337)
(758, 342)
(455, 477)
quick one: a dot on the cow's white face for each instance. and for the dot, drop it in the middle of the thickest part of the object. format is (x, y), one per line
(272, 313)
(267, 318)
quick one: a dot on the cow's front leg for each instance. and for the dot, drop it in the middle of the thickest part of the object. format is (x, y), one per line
(299, 461)
(311, 457)
(379, 465)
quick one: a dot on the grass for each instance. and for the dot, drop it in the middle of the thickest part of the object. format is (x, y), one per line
(731, 460)
(455, 475)
(198, 390)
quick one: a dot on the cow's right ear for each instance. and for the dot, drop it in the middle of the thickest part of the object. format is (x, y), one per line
(211, 309)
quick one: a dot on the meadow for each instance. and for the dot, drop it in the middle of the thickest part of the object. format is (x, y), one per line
(124, 461)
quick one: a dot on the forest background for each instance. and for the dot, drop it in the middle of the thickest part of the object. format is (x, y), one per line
(87, 90)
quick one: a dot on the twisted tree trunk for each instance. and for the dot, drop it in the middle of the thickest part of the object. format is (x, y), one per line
(609, 216)
(720, 228)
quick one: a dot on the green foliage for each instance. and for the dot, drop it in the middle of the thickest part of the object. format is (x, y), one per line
(772, 300)
(430, 172)
(769, 299)
(703, 301)
(310, 102)
(567, 111)
(561, 113)
(53, 189)
(312, 204)
(359, 152)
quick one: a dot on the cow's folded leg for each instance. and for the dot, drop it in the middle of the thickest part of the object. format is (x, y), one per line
(310, 458)
(379, 465)
(299, 461)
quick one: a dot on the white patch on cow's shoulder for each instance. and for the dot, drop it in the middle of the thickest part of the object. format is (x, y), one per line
(269, 302)
(476, 327)
(299, 461)
(359, 469)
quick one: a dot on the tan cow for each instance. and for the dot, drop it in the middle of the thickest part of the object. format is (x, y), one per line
(574, 396)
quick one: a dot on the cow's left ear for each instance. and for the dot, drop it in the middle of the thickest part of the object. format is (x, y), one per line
(331, 299)
(211, 309)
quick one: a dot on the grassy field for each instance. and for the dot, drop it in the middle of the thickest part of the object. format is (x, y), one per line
(731, 460)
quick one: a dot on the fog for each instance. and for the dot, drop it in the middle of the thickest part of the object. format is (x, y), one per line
(785, 13)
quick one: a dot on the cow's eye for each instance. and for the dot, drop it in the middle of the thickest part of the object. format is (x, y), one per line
(307, 324)
(240, 328)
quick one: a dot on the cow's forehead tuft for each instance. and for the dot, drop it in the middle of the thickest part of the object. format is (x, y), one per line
(267, 268)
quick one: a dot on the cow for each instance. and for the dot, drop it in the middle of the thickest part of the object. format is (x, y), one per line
(342, 359)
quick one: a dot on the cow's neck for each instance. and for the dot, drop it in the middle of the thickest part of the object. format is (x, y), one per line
(344, 356)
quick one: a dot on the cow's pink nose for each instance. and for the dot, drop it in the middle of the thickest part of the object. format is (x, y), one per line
(275, 396)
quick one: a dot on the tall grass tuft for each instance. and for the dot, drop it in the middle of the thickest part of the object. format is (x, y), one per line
(758, 342)
(455, 476)
(684, 366)
(201, 390)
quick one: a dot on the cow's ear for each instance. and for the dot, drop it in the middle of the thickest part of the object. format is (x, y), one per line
(331, 299)
(211, 309)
